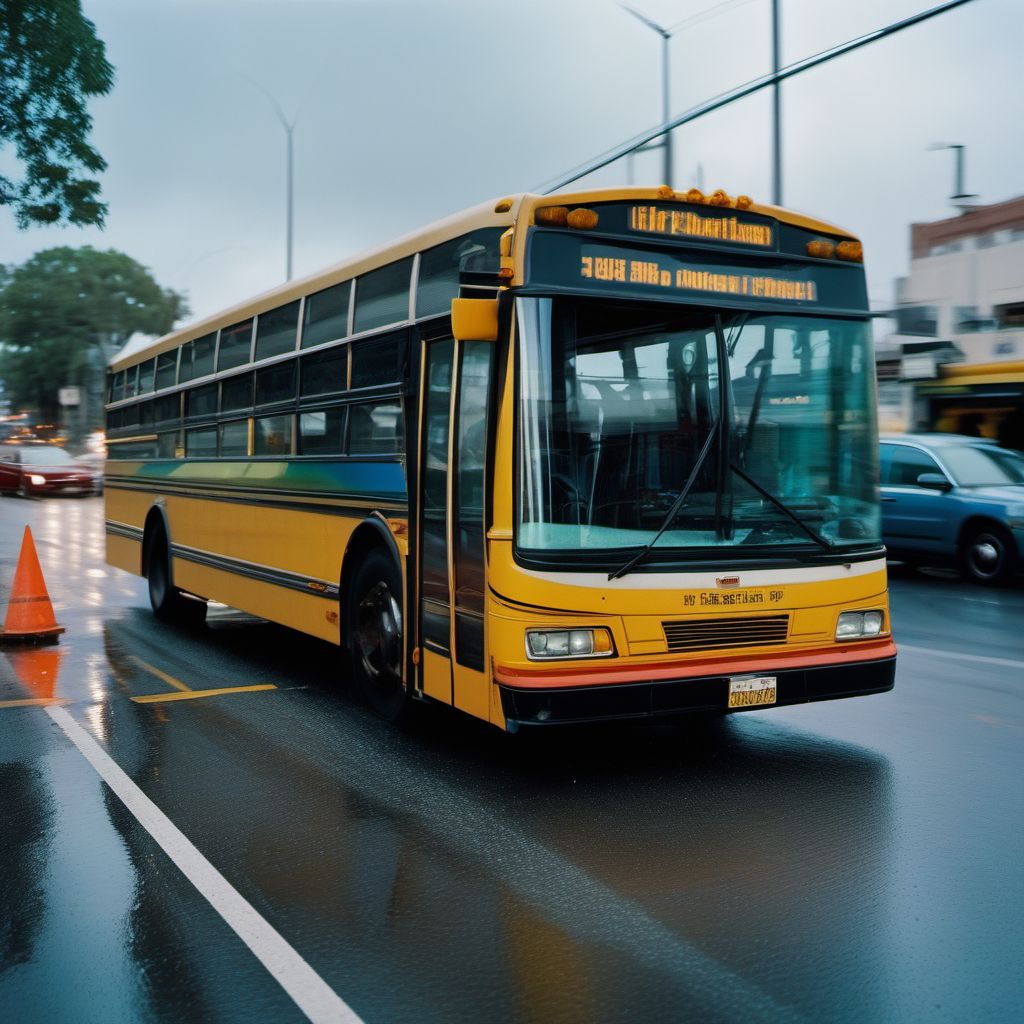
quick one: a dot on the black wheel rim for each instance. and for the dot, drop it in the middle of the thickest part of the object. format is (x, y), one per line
(378, 638)
(986, 556)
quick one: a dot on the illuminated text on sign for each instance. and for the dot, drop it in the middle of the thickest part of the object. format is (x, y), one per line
(650, 272)
(687, 224)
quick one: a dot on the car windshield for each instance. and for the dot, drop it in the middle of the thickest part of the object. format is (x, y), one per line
(46, 455)
(983, 465)
(617, 402)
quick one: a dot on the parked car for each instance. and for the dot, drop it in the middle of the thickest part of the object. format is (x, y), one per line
(33, 470)
(948, 498)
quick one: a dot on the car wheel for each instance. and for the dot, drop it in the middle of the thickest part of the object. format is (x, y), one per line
(374, 617)
(166, 600)
(988, 555)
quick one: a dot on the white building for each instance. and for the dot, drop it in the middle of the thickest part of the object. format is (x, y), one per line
(960, 324)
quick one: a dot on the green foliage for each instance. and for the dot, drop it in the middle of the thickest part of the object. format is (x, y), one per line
(65, 312)
(50, 61)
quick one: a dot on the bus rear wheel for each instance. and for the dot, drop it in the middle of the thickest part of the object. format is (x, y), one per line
(166, 600)
(375, 634)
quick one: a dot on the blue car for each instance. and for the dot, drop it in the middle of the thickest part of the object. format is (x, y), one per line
(947, 498)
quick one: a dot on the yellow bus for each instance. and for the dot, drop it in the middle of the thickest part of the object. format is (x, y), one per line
(607, 454)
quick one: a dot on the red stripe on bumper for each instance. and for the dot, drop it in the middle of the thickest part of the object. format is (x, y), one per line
(655, 671)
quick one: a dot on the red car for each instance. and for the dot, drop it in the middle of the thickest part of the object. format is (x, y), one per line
(37, 469)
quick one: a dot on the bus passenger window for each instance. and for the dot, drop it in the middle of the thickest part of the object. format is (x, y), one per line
(276, 330)
(326, 316)
(375, 429)
(234, 439)
(322, 432)
(275, 383)
(236, 393)
(382, 296)
(273, 435)
(235, 343)
(378, 361)
(201, 444)
(325, 373)
(146, 372)
(167, 369)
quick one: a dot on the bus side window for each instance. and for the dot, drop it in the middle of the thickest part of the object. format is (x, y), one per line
(273, 435)
(375, 429)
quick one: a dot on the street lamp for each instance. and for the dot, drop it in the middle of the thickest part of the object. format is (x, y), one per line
(289, 128)
(666, 139)
(959, 198)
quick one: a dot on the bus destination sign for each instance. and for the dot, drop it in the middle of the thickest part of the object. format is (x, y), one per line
(558, 260)
(676, 223)
(657, 271)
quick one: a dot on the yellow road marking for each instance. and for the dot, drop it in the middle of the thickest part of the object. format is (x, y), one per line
(30, 702)
(157, 698)
(153, 670)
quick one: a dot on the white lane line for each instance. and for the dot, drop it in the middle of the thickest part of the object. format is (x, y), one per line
(314, 997)
(984, 659)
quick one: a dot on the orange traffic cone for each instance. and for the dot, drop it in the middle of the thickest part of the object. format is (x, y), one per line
(29, 614)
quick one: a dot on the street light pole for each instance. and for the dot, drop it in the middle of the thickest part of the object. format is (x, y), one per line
(776, 110)
(666, 101)
(289, 130)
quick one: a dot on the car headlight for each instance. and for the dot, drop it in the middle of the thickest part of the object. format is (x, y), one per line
(36, 480)
(858, 625)
(549, 644)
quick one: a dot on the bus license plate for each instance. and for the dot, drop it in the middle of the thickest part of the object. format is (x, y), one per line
(750, 691)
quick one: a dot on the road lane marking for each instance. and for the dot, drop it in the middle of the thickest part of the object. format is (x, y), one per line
(313, 996)
(160, 698)
(30, 702)
(153, 670)
(984, 659)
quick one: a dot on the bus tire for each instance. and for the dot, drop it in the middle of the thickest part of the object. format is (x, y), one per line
(374, 634)
(166, 600)
(988, 555)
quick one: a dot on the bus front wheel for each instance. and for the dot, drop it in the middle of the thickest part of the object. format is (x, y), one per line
(375, 634)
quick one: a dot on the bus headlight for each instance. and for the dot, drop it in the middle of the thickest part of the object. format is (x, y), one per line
(549, 644)
(858, 625)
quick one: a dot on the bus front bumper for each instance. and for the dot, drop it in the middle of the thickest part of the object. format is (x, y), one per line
(526, 703)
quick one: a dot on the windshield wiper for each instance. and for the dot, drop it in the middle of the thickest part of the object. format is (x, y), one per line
(789, 513)
(670, 516)
(719, 432)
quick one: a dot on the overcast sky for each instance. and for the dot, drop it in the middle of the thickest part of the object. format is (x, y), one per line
(408, 110)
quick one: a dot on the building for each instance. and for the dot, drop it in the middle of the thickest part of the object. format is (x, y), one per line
(959, 320)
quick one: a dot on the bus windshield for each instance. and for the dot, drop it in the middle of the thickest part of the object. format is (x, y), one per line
(618, 401)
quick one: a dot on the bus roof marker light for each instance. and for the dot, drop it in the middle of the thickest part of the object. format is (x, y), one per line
(665, 192)
(719, 198)
(744, 202)
(852, 252)
(552, 216)
(822, 249)
(582, 220)
(694, 196)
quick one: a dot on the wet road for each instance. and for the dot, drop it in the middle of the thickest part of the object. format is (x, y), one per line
(848, 861)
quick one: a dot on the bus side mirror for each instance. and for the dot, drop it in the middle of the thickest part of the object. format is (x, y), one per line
(475, 319)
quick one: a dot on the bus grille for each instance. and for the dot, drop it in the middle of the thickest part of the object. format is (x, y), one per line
(712, 634)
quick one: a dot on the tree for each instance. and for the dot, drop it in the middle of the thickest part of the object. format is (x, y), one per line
(50, 62)
(65, 312)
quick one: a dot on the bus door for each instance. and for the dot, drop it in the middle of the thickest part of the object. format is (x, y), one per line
(456, 384)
